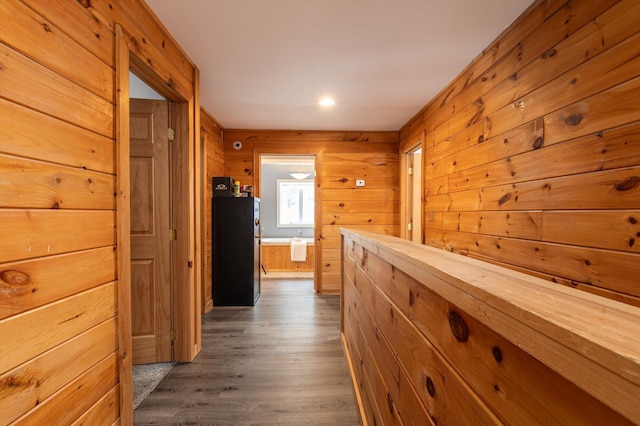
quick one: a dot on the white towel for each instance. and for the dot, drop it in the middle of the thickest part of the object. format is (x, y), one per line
(298, 250)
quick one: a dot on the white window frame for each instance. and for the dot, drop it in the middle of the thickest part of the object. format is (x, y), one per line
(298, 182)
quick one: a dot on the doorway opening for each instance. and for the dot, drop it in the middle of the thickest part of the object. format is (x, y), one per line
(151, 220)
(151, 253)
(185, 252)
(412, 194)
(288, 211)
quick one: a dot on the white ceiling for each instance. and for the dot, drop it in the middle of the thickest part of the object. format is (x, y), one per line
(265, 64)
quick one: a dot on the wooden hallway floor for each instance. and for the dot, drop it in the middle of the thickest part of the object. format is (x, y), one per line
(280, 362)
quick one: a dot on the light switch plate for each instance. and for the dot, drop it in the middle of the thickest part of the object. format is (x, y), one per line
(360, 182)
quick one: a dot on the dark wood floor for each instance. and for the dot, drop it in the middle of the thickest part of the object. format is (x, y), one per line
(280, 362)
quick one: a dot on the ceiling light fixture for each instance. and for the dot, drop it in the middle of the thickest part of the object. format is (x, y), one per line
(327, 102)
(299, 173)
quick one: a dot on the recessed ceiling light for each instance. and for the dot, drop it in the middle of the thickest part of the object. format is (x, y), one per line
(327, 102)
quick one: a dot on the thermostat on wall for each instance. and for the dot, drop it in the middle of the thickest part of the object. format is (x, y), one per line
(360, 182)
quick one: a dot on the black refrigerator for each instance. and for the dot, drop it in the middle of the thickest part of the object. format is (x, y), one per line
(235, 251)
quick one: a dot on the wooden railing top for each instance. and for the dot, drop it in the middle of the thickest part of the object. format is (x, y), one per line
(591, 340)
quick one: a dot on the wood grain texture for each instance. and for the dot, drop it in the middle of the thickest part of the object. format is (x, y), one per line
(198, 216)
(609, 294)
(93, 35)
(417, 356)
(78, 396)
(186, 288)
(609, 69)
(52, 94)
(29, 284)
(610, 229)
(150, 223)
(527, 40)
(104, 412)
(521, 344)
(53, 140)
(298, 375)
(31, 383)
(66, 192)
(342, 158)
(211, 134)
(36, 184)
(277, 258)
(156, 46)
(608, 269)
(123, 227)
(61, 320)
(37, 38)
(26, 234)
(544, 120)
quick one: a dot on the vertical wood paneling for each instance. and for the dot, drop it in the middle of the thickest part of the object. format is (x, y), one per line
(345, 157)
(186, 286)
(196, 206)
(123, 226)
(211, 134)
(543, 124)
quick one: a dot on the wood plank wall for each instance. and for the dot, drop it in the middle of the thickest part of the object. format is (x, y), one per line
(277, 258)
(532, 154)
(213, 155)
(343, 157)
(58, 264)
(434, 338)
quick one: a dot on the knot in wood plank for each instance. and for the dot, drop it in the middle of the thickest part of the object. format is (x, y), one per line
(458, 326)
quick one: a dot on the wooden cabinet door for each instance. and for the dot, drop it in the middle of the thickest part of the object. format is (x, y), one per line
(150, 232)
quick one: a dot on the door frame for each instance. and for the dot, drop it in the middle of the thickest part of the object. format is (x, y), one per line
(317, 195)
(187, 250)
(407, 191)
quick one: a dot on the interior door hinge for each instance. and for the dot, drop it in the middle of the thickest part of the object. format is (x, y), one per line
(172, 134)
(410, 226)
(173, 235)
(173, 335)
(410, 171)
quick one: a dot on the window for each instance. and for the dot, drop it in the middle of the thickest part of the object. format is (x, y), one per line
(295, 203)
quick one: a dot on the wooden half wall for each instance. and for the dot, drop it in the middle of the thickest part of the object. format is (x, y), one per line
(341, 158)
(64, 285)
(435, 338)
(532, 154)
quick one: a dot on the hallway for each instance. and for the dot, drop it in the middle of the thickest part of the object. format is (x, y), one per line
(280, 362)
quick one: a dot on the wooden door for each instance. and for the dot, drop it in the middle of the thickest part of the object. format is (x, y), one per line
(416, 196)
(150, 232)
(411, 186)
